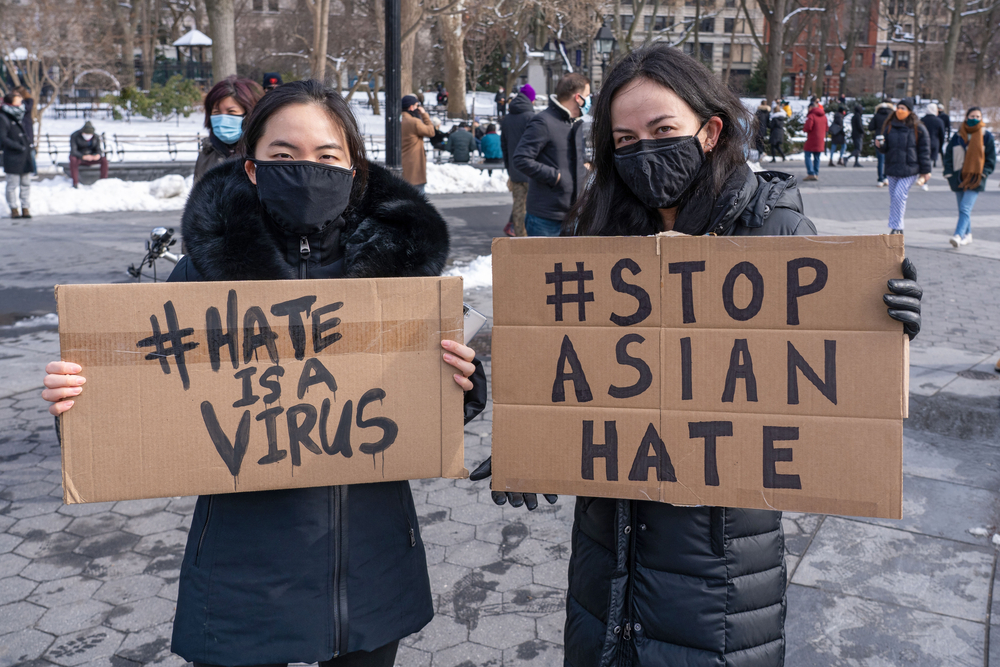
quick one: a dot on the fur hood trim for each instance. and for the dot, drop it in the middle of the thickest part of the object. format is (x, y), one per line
(391, 232)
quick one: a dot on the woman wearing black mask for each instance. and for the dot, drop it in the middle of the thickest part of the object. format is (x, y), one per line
(331, 574)
(652, 583)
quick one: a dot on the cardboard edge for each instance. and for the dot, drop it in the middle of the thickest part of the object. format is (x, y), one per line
(450, 292)
(70, 495)
(906, 377)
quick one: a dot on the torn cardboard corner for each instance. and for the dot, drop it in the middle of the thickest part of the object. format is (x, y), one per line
(758, 372)
(201, 388)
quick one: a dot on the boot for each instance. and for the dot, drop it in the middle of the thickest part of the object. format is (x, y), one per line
(831, 162)
(15, 213)
(25, 213)
(840, 163)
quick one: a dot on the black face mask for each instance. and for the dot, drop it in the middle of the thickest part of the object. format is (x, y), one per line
(303, 197)
(660, 171)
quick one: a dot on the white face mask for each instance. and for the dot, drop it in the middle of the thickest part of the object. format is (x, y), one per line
(87, 137)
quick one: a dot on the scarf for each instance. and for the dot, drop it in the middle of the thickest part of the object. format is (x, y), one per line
(17, 113)
(975, 155)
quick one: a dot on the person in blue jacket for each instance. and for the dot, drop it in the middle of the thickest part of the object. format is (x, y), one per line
(490, 144)
(335, 575)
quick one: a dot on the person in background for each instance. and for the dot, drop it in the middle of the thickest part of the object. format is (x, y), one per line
(490, 144)
(857, 133)
(946, 120)
(226, 105)
(86, 150)
(777, 125)
(440, 140)
(271, 81)
(935, 127)
(875, 125)
(763, 115)
(787, 107)
(838, 136)
(16, 155)
(442, 95)
(461, 144)
(551, 155)
(28, 123)
(907, 150)
(416, 126)
(815, 128)
(501, 101)
(970, 157)
(477, 133)
(511, 129)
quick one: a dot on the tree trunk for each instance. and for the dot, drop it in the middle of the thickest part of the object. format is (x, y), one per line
(950, 49)
(454, 60)
(321, 37)
(775, 50)
(824, 37)
(123, 17)
(222, 24)
(697, 30)
(729, 60)
(409, 16)
(982, 66)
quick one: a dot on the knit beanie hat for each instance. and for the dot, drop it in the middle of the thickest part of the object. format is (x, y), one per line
(528, 91)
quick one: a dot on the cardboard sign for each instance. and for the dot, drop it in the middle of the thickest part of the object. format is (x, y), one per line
(198, 388)
(757, 372)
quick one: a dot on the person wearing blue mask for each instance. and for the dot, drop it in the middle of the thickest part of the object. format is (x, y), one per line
(226, 104)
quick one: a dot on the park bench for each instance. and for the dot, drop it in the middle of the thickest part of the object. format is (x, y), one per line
(171, 144)
(82, 111)
(488, 166)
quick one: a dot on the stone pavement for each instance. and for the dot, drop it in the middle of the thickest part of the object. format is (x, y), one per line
(95, 584)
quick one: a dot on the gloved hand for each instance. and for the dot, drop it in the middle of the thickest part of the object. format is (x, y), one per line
(529, 500)
(904, 299)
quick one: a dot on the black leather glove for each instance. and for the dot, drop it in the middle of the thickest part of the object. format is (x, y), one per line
(904, 299)
(475, 398)
(529, 500)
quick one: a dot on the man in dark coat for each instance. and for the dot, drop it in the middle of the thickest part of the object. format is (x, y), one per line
(85, 150)
(501, 101)
(511, 130)
(461, 144)
(876, 125)
(946, 120)
(763, 115)
(551, 154)
(857, 133)
(935, 128)
(346, 582)
(16, 155)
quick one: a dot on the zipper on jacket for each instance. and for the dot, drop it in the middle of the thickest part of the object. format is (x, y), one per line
(304, 252)
(204, 529)
(336, 568)
(409, 524)
(631, 528)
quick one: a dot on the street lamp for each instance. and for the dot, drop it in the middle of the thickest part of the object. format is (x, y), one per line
(827, 73)
(604, 42)
(549, 52)
(885, 59)
(843, 80)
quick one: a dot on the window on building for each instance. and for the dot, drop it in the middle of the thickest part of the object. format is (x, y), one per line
(727, 51)
(788, 58)
(627, 20)
(728, 25)
(706, 51)
(659, 24)
(272, 5)
(708, 25)
(689, 49)
(258, 5)
(690, 3)
(730, 3)
(859, 60)
(903, 60)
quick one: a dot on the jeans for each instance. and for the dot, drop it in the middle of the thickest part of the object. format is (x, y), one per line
(75, 163)
(380, 657)
(13, 182)
(833, 150)
(812, 163)
(881, 165)
(536, 226)
(966, 200)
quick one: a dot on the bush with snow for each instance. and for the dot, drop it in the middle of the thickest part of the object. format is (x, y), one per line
(56, 196)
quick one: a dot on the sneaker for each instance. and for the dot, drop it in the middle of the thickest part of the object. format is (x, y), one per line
(896, 231)
(955, 241)
(857, 164)
(966, 240)
(881, 184)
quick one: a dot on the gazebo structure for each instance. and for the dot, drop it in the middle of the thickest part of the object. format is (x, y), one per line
(194, 69)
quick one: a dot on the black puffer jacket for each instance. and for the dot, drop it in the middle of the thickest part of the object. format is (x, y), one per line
(907, 151)
(837, 134)
(14, 144)
(304, 574)
(511, 128)
(652, 584)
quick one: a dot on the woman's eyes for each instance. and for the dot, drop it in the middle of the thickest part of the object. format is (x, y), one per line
(625, 139)
(628, 138)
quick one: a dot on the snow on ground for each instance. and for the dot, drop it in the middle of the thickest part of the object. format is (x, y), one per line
(477, 273)
(56, 196)
(456, 178)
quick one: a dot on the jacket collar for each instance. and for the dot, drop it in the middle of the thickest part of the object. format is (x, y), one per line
(562, 111)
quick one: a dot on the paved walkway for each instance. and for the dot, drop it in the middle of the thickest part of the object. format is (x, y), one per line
(96, 584)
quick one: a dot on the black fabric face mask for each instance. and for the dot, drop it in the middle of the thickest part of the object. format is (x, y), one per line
(303, 197)
(660, 171)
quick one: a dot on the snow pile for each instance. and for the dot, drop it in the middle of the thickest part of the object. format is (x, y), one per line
(477, 273)
(443, 179)
(56, 196)
(979, 532)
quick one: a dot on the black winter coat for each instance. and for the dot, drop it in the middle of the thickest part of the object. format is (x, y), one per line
(303, 574)
(78, 146)
(653, 584)
(878, 119)
(837, 134)
(763, 114)
(551, 148)
(511, 129)
(777, 126)
(15, 145)
(857, 127)
(935, 128)
(907, 152)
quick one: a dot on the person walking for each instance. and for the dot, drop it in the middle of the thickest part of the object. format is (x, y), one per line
(16, 155)
(226, 105)
(416, 126)
(28, 123)
(857, 133)
(654, 584)
(461, 144)
(551, 155)
(777, 125)
(815, 128)
(838, 136)
(490, 144)
(335, 574)
(969, 159)
(511, 130)
(946, 121)
(501, 101)
(875, 125)
(935, 128)
(907, 149)
(763, 115)
(86, 150)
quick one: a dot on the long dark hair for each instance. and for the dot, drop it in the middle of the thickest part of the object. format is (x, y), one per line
(607, 207)
(309, 92)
